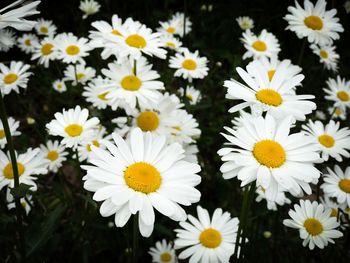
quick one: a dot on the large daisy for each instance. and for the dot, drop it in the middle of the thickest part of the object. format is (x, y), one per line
(338, 92)
(13, 77)
(13, 125)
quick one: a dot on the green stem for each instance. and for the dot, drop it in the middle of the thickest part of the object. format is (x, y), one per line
(301, 54)
(77, 157)
(11, 149)
(135, 67)
(135, 239)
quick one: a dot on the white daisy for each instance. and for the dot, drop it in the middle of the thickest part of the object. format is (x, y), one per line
(189, 65)
(186, 131)
(96, 93)
(315, 224)
(29, 164)
(27, 43)
(329, 203)
(13, 77)
(89, 7)
(13, 125)
(73, 126)
(171, 42)
(45, 27)
(78, 74)
(207, 239)
(171, 27)
(263, 149)
(330, 139)
(179, 18)
(265, 44)
(59, 86)
(314, 22)
(44, 51)
(327, 56)
(192, 95)
(23, 201)
(245, 22)
(320, 115)
(55, 153)
(337, 113)
(7, 39)
(163, 252)
(280, 199)
(139, 174)
(338, 91)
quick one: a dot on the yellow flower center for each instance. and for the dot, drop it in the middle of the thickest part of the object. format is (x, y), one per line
(136, 41)
(142, 177)
(313, 22)
(171, 30)
(44, 29)
(95, 143)
(148, 121)
(102, 96)
(52, 155)
(189, 97)
(8, 171)
(334, 212)
(170, 44)
(10, 78)
(72, 50)
(46, 49)
(189, 64)
(271, 73)
(343, 95)
(338, 112)
(80, 76)
(323, 54)
(131, 83)
(313, 226)
(165, 257)
(2, 134)
(74, 130)
(269, 97)
(27, 42)
(259, 46)
(269, 153)
(326, 140)
(116, 32)
(210, 238)
(344, 185)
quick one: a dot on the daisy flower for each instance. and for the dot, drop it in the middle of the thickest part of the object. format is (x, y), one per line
(59, 86)
(337, 184)
(179, 19)
(186, 131)
(141, 174)
(79, 74)
(276, 159)
(95, 92)
(13, 77)
(7, 39)
(13, 125)
(347, 7)
(89, 7)
(55, 153)
(327, 56)
(276, 97)
(45, 27)
(191, 151)
(171, 42)
(44, 51)
(23, 201)
(331, 140)
(71, 49)
(280, 199)
(265, 44)
(245, 22)
(15, 17)
(320, 115)
(27, 43)
(314, 22)
(189, 65)
(329, 203)
(192, 95)
(29, 164)
(338, 91)
(207, 239)
(163, 252)
(171, 27)
(337, 113)
(315, 224)
(73, 126)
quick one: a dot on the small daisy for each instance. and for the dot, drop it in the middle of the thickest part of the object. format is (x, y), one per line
(14, 77)
(337, 113)
(27, 43)
(89, 7)
(186, 131)
(327, 56)
(189, 65)
(44, 51)
(179, 19)
(280, 199)
(55, 153)
(245, 22)
(79, 74)
(207, 239)
(13, 125)
(192, 95)
(320, 115)
(171, 42)
(265, 44)
(59, 86)
(276, 159)
(95, 92)
(329, 203)
(140, 174)
(7, 39)
(29, 164)
(73, 126)
(45, 27)
(331, 140)
(23, 201)
(163, 252)
(171, 28)
(347, 7)
(316, 225)
(338, 91)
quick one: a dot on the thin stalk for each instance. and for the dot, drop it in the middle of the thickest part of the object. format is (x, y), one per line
(77, 158)
(301, 54)
(135, 67)
(135, 240)
(11, 149)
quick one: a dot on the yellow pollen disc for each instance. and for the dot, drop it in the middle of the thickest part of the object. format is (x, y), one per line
(165, 257)
(116, 32)
(326, 140)
(259, 46)
(27, 42)
(171, 30)
(44, 29)
(59, 86)
(72, 50)
(102, 96)
(210, 238)
(269, 97)
(8, 172)
(148, 121)
(189, 97)
(334, 212)
(95, 143)
(131, 83)
(24, 204)
(313, 226)
(74, 130)
(80, 76)
(269, 153)
(2, 134)
(313, 22)
(189, 64)
(344, 185)
(323, 54)
(10, 78)
(52, 155)
(142, 177)
(343, 95)
(170, 44)
(338, 112)
(271, 73)
(46, 49)
(136, 41)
